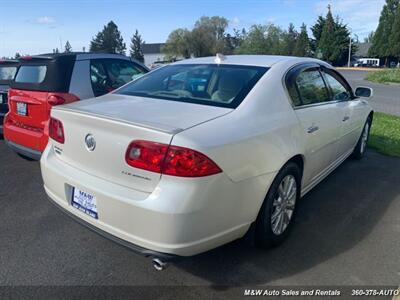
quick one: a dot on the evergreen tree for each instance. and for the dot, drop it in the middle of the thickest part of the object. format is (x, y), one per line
(369, 38)
(67, 47)
(289, 40)
(17, 55)
(136, 47)
(302, 47)
(108, 40)
(380, 42)
(326, 44)
(394, 39)
(332, 39)
(316, 29)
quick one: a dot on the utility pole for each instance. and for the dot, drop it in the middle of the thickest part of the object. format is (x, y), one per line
(349, 60)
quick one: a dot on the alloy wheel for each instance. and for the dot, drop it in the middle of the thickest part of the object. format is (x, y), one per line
(284, 204)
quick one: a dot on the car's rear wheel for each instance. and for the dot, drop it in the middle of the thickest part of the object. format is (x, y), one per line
(361, 146)
(278, 211)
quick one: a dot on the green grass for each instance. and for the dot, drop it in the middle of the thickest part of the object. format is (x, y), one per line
(384, 76)
(385, 134)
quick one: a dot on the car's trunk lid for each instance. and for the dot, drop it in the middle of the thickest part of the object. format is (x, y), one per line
(115, 121)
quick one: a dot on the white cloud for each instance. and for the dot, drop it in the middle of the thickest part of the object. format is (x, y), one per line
(362, 16)
(235, 21)
(45, 20)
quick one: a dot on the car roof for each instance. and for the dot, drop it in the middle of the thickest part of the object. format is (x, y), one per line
(78, 55)
(249, 60)
(8, 62)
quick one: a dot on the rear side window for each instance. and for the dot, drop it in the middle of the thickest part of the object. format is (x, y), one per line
(31, 74)
(311, 86)
(7, 73)
(107, 75)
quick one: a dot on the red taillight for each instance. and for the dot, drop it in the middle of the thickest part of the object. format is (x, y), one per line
(60, 98)
(169, 160)
(56, 130)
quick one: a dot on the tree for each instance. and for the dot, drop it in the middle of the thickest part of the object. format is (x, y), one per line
(17, 55)
(316, 29)
(67, 47)
(289, 40)
(326, 43)
(302, 47)
(207, 37)
(136, 47)
(56, 51)
(380, 43)
(369, 38)
(177, 44)
(108, 40)
(394, 39)
(331, 39)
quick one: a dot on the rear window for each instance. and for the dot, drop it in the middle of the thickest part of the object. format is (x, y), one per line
(208, 84)
(7, 73)
(31, 74)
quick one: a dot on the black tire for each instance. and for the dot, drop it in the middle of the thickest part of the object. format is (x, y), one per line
(264, 234)
(359, 150)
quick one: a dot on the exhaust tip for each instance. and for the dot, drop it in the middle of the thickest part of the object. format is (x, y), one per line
(159, 265)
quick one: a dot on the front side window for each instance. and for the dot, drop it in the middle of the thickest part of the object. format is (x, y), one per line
(339, 92)
(31, 74)
(311, 87)
(7, 73)
(208, 84)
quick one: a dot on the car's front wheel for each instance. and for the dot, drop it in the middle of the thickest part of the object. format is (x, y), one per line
(278, 211)
(361, 146)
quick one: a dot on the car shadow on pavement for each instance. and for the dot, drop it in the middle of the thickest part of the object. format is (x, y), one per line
(332, 218)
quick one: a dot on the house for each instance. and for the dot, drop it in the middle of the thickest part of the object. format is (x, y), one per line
(152, 53)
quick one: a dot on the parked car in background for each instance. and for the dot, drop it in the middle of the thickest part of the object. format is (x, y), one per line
(48, 80)
(8, 69)
(189, 156)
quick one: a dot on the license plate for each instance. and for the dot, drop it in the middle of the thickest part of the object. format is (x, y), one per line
(85, 202)
(21, 108)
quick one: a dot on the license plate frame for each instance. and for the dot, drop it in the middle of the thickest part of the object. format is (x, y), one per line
(84, 202)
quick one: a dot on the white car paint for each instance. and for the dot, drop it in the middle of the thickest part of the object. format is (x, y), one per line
(187, 216)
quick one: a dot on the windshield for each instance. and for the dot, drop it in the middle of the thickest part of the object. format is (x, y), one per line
(209, 84)
(7, 73)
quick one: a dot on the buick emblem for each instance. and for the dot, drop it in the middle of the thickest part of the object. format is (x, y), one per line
(90, 142)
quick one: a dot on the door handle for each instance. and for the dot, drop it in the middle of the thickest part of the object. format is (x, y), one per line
(345, 118)
(312, 128)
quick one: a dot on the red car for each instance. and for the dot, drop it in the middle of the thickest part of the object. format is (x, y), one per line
(44, 81)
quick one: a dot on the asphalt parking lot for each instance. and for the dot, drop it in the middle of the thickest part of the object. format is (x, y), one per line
(386, 97)
(347, 233)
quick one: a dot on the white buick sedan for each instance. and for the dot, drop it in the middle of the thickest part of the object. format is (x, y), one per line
(189, 156)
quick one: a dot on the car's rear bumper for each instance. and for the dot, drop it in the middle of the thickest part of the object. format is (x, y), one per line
(23, 139)
(137, 249)
(180, 217)
(32, 154)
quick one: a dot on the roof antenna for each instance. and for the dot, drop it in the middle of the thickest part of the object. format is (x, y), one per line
(219, 58)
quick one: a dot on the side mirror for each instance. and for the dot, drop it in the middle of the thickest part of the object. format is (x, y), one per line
(364, 92)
